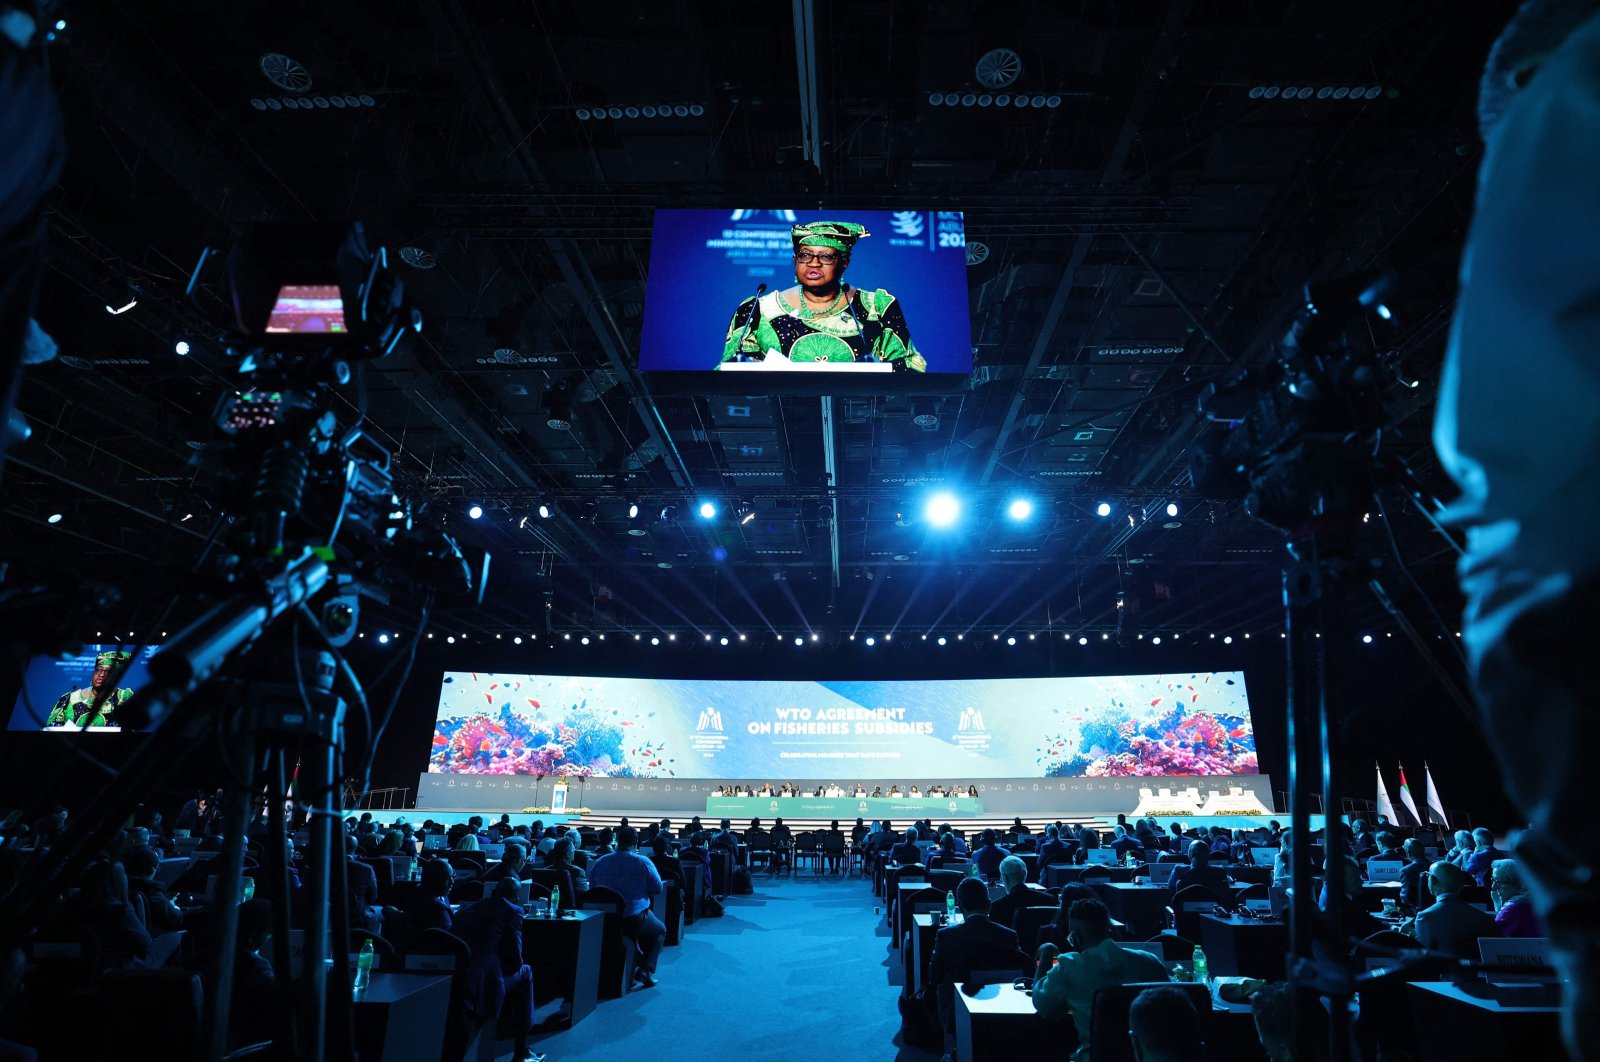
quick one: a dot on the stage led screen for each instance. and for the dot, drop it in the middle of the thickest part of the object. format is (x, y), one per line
(1107, 727)
(840, 291)
(60, 694)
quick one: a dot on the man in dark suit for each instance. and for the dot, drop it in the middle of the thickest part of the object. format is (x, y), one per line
(510, 865)
(1452, 924)
(977, 944)
(1125, 843)
(1054, 850)
(1411, 894)
(1013, 878)
(1199, 872)
(989, 854)
(906, 852)
(499, 984)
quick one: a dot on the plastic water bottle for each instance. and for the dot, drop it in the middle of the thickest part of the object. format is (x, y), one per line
(555, 900)
(950, 907)
(248, 888)
(364, 968)
(1202, 972)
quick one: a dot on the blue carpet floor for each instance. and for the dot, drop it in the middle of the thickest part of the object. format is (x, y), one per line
(799, 970)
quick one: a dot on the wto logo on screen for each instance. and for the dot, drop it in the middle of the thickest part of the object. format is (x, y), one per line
(971, 719)
(710, 719)
(971, 734)
(907, 223)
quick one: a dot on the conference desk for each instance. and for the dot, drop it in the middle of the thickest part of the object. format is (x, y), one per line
(1142, 907)
(998, 1024)
(1474, 1019)
(565, 956)
(845, 809)
(401, 1017)
(1244, 947)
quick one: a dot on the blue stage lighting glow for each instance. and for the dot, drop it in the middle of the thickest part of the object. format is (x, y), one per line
(943, 509)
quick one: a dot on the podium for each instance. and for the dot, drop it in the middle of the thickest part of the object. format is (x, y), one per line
(785, 365)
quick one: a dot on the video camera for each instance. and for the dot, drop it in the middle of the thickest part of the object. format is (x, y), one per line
(1304, 432)
(315, 506)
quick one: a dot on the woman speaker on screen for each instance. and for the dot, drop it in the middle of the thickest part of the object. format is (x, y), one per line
(821, 318)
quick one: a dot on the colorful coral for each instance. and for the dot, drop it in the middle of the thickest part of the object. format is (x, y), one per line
(1170, 736)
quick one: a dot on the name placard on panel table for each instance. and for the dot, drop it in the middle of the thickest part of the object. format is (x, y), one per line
(843, 807)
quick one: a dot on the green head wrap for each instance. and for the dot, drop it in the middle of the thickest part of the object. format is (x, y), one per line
(840, 235)
(112, 659)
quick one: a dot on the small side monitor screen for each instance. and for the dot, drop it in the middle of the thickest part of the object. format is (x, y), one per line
(85, 691)
(835, 292)
(307, 308)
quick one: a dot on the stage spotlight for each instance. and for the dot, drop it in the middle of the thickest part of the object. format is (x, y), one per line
(655, 641)
(1366, 639)
(383, 639)
(1019, 509)
(741, 637)
(723, 640)
(476, 512)
(451, 639)
(1103, 509)
(53, 518)
(708, 511)
(888, 637)
(1083, 641)
(799, 641)
(1031, 637)
(517, 640)
(1172, 508)
(672, 637)
(1104, 636)
(545, 511)
(708, 637)
(1011, 641)
(994, 637)
(871, 641)
(924, 637)
(961, 637)
(584, 639)
(1156, 640)
(1227, 640)
(943, 509)
(815, 637)
(941, 640)
(181, 347)
(633, 510)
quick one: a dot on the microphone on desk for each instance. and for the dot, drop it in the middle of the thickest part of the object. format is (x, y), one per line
(750, 321)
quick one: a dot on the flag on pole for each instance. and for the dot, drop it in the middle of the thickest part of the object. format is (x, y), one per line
(1385, 805)
(1435, 805)
(1406, 798)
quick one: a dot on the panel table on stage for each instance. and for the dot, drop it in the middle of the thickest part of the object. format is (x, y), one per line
(401, 1017)
(565, 956)
(843, 808)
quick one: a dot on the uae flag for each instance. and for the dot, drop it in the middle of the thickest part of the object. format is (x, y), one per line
(1385, 805)
(1435, 805)
(1406, 799)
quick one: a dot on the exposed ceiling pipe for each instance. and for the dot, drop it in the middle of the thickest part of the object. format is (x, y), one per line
(805, 54)
(830, 474)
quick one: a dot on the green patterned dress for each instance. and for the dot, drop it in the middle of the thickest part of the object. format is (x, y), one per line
(859, 326)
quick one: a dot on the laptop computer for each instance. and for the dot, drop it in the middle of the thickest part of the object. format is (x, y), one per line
(1161, 873)
(1148, 946)
(1263, 856)
(434, 841)
(1101, 857)
(1384, 870)
(1259, 905)
(492, 851)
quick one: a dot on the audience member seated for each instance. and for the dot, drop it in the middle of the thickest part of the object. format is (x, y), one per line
(988, 855)
(467, 842)
(510, 865)
(1124, 844)
(1357, 921)
(1055, 931)
(1273, 1009)
(428, 905)
(694, 853)
(560, 858)
(1199, 872)
(499, 987)
(1013, 878)
(1068, 988)
(1412, 873)
(661, 857)
(161, 915)
(1086, 839)
(361, 887)
(635, 879)
(1480, 863)
(1240, 851)
(1513, 909)
(858, 832)
(1451, 924)
(1463, 847)
(1283, 860)
(976, 945)
(1163, 1026)
(103, 910)
(250, 1019)
(725, 837)
(907, 852)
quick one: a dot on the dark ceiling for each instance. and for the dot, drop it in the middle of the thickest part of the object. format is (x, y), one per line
(1145, 222)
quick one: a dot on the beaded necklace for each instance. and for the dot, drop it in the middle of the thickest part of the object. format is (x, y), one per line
(808, 314)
